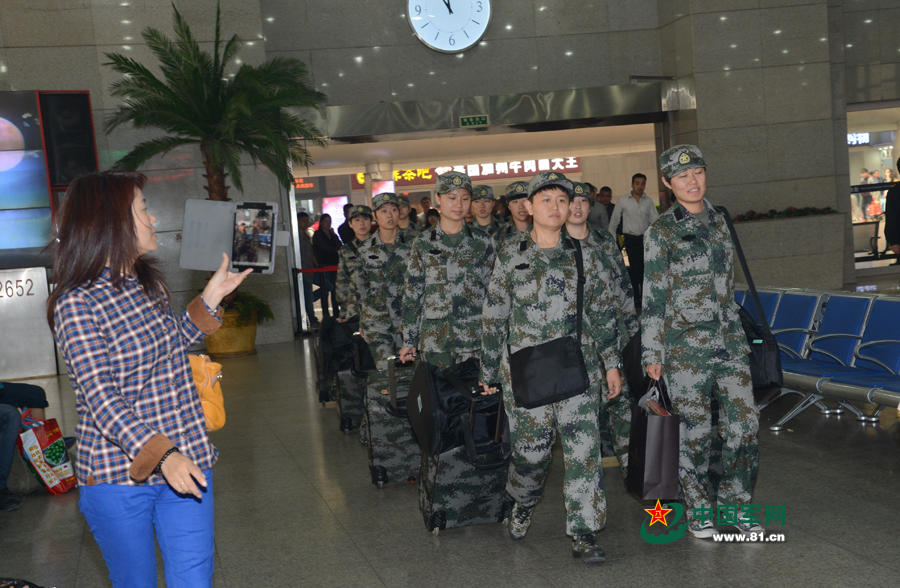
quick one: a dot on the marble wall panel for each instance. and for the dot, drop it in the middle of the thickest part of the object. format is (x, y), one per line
(633, 15)
(635, 52)
(730, 98)
(573, 61)
(512, 20)
(864, 83)
(862, 39)
(115, 24)
(799, 92)
(569, 17)
(64, 25)
(795, 150)
(288, 28)
(54, 68)
(701, 6)
(737, 155)
(803, 37)
(728, 41)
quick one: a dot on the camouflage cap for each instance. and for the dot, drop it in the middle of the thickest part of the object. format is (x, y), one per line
(580, 190)
(402, 200)
(452, 180)
(359, 210)
(384, 198)
(542, 180)
(517, 190)
(675, 160)
(482, 192)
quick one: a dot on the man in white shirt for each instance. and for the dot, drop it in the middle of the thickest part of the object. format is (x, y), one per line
(636, 213)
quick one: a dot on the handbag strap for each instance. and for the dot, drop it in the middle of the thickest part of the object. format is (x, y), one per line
(740, 254)
(579, 264)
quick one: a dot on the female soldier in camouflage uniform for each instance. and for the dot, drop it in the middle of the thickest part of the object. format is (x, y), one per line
(519, 219)
(483, 207)
(692, 335)
(615, 416)
(407, 228)
(382, 268)
(531, 300)
(348, 290)
(449, 269)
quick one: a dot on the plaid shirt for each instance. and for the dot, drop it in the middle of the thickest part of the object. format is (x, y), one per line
(134, 389)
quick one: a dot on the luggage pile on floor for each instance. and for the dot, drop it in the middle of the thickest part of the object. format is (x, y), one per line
(420, 423)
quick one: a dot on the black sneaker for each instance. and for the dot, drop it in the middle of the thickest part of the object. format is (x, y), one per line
(584, 547)
(519, 521)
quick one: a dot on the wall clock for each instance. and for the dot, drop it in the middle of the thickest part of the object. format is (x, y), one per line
(449, 26)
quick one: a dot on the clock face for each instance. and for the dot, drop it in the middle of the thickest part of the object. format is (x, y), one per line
(449, 26)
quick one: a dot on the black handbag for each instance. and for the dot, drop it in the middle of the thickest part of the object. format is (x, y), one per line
(765, 357)
(447, 410)
(554, 370)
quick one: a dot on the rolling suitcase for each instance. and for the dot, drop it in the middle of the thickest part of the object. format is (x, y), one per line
(334, 354)
(465, 448)
(351, 399)
(394, 454)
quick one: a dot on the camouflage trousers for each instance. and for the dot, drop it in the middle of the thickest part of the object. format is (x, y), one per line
(446, 359)
(383, 343)
(533, 432)
(615, 424)
(692, 388)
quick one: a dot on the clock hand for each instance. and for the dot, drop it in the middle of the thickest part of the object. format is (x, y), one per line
(447, 4)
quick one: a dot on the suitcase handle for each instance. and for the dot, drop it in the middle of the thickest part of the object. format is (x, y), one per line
(394, 361)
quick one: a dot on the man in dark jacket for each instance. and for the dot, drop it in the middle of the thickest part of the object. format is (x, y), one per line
(892, 218)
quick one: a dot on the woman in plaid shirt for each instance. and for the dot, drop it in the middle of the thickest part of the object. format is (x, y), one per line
(144, 458)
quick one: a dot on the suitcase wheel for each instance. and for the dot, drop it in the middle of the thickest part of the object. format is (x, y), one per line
(437, 522)
(379, 475)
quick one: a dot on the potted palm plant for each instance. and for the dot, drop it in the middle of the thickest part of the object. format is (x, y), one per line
(226, 115)
(229, 110)
(237, 335)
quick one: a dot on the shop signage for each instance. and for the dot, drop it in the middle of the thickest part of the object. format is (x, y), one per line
(481, 172)
(474, 121)
(857, 138)
(27, 343)
(306, 184)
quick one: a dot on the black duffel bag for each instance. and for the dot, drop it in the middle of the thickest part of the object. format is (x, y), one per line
(336, 345)
(765, 357)
(447, 410)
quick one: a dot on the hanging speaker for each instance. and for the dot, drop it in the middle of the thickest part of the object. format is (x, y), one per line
(68, 135)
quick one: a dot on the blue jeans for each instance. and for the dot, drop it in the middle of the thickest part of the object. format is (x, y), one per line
(9, 430)
(123, 520)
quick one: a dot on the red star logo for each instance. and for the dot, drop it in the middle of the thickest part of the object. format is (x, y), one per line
(658, 514)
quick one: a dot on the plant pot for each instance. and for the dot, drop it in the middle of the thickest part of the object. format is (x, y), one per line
(232, 340)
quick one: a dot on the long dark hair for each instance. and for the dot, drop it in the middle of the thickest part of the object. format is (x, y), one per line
(96, 228)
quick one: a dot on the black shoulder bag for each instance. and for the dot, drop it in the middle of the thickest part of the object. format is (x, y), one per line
(554, 370)
(765, 357)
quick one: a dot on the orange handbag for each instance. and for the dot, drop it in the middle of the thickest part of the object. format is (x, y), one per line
(207, 375)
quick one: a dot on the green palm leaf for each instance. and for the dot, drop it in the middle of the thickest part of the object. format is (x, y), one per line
(193, 101)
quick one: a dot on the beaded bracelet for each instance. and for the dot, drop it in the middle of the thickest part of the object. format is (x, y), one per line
(158, 469)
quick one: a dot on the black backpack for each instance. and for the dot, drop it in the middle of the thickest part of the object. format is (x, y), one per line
(447, 411)
(336, 345)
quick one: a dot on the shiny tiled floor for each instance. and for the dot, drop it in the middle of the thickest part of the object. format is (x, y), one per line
(295, 507)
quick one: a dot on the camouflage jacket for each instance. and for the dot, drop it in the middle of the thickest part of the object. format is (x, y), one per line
(444, 290)
(689, 308)
(347, 289)
(490, 230)
(411, 232)
(508, 233)
(620, 284)
(381, 274)
(532, 299)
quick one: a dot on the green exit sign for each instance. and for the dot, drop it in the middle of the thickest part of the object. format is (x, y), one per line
(474, 121)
